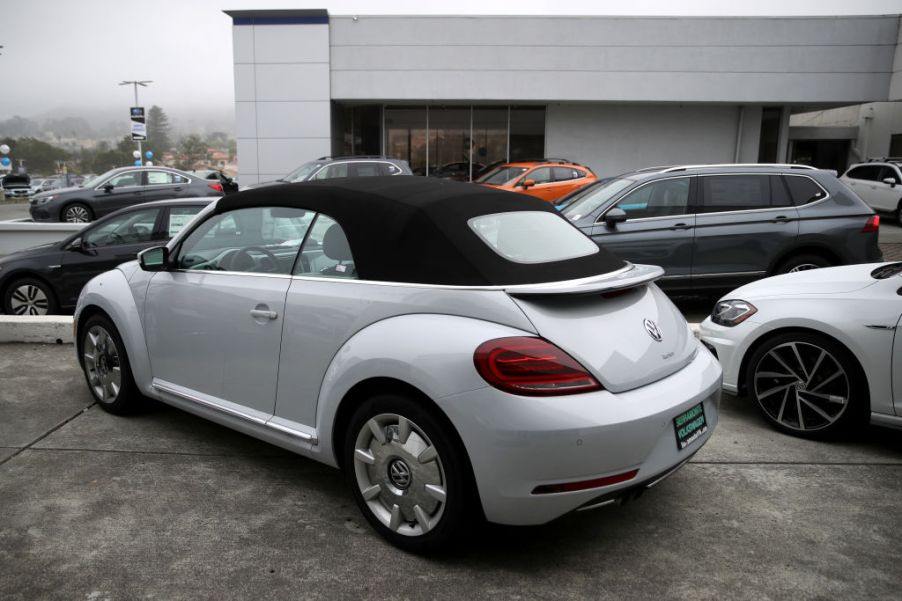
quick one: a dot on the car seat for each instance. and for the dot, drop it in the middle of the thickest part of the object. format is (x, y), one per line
(335, 247)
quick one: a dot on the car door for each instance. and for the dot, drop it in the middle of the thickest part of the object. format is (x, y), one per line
(659, 228)
(744, 221)
(865, 180)
(163, 185)
(214, 321)
(544, 186)
(105, 245)
(120, 191)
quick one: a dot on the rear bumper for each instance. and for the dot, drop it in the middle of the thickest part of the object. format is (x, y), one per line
(518, 443)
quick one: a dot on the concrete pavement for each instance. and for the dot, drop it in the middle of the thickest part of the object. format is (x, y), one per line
(164, 505)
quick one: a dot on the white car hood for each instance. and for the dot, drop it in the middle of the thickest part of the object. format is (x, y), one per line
(830, 280)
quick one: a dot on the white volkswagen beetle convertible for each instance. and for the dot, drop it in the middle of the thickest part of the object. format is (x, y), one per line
(459, 352)
(819, 351)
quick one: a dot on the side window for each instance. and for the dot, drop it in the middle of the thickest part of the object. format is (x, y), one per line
(779, 194)
(363, 169)
(158, 178)
(180, 179)
(803, 189)
(542, 175)
(657, 199)
(257, 240)
(562, 174)
(326, 252)
(131, 228)
(178, 219)
(389, 169)
(865, 172)
(331, 171)
(125, 180)
(887, 172)
(734, 192)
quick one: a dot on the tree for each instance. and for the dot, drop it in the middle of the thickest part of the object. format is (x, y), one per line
(191, 150)
(159, 138)
(105, 158)
(39, 157)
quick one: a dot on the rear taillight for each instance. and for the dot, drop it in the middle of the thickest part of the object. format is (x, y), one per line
(532, 367)
(217, 187)
(872, 225)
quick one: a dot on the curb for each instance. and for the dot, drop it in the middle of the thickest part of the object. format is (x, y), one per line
(57, 329)
(48, 329)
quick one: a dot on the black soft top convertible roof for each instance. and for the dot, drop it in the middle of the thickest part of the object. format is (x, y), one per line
(414, 229)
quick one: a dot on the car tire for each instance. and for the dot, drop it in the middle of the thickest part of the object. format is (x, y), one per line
(898, 214)
(808, 385)
(414, 493)
(76, 212)
(802, 262)
(104, 362)
(29, 296)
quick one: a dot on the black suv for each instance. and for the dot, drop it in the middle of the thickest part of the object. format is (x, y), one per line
(714, 227)
(349, 166)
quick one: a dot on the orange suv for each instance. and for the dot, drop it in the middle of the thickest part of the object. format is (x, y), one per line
(548, 179)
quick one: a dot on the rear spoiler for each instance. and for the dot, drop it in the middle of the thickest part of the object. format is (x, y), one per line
(628, 277)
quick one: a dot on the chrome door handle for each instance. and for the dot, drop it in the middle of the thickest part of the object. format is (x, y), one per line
(680, 226)
(263, 314)
(780, 219)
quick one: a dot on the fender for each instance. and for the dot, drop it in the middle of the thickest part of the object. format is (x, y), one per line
(433, 353)
(112, 293)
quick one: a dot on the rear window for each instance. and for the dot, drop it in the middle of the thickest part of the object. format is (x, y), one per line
(532, 237)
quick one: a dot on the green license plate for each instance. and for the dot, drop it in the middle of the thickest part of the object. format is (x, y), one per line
(689, 425)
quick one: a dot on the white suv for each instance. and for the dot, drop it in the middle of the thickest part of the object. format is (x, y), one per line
(878, 184)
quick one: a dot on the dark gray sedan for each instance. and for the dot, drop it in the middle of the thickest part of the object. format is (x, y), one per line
(117, 189)
(714, 227)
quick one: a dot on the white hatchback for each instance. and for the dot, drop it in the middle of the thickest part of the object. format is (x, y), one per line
(878, 184)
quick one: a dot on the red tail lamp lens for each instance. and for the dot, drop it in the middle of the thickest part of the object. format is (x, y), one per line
(872, 225)
(584, 484)
(217, 187)
(531, 367)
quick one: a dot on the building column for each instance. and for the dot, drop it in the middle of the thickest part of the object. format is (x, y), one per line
(783, 138)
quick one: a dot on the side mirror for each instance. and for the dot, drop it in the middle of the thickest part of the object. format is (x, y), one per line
(76, 245)
(890, 180)
(108, 188)
(615, 216)
(527, 184)
(154, 259)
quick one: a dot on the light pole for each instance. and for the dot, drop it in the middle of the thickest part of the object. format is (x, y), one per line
(136, 84)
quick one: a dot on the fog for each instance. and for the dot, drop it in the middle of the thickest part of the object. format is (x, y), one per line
(65, 58)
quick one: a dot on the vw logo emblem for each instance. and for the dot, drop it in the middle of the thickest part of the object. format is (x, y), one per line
(652, 329)
(399, 474)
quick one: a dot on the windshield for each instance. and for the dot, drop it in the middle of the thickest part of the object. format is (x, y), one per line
(303, 172)
(586, 202)
(501, 175)
(97, 180)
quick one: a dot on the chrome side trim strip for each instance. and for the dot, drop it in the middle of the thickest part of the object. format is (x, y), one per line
(234, 412)
(877, 326)
(726, 274)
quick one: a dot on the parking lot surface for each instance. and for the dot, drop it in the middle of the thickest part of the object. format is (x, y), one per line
(164, 505)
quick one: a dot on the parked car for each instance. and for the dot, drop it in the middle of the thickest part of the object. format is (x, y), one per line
(548, 179)
(715, 227)
(818, 352)
(348, 166)
(17, 185)
(229, 184)
(47, 279)
(455, 350)
(116, 189)
(459, 171)
(879, 184)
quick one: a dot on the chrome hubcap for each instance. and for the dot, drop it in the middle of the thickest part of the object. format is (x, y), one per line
(801, 386)
(102, 364)
(804, 267)
(77, 215)
(29, 300)
(400, 474)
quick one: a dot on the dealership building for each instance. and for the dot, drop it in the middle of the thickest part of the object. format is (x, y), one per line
(613, 93)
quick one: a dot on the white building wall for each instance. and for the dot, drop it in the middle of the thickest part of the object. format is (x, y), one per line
(616, 138)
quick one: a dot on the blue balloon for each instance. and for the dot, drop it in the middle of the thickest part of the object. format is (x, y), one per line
(149, 154)
(137, 162)
(5, 161)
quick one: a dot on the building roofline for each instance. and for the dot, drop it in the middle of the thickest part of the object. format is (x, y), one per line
(314, 16)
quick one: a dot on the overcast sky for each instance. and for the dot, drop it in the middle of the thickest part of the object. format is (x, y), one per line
(69, 55)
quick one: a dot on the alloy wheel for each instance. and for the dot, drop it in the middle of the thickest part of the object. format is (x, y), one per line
(29, 299)
(399, 474)
(801, 386)
(804, 267)
(77, 214)
(102, 364)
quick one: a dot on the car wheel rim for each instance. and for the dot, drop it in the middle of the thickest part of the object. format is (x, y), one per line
(77, 215)
(29, 300)
(102, 364)
(400, 475)
(801, 386)
(804, 267)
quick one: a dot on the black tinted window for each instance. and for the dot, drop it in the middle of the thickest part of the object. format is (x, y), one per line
(735, 192)
(889, 173)
(867, 172)
(566, 173)
(779, 195)
(803, 189)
